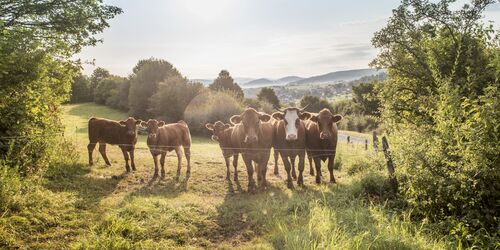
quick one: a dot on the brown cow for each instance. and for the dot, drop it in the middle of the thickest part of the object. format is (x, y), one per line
(290, 140)
(122, 133)
(253, 135)
(321, 140)
(165, 138)
(222, 134)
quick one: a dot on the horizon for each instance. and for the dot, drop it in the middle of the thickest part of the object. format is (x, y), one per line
(250, 39)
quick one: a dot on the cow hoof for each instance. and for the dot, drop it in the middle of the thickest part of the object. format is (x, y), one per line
(235, 178)
(318, 181)
(276, 173)
(333, 181)
(289, 184)
(311, 173)
(108, 164)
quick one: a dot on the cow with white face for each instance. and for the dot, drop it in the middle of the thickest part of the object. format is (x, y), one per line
(290, 140)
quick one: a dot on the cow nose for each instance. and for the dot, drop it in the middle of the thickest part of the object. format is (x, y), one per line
(152, 136)
(215, 138)
(324, 135)
(291, 137)
(131, 132)
(251, 139)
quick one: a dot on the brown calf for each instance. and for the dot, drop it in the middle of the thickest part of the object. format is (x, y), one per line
(253, 135)
(165, 138)
(321, 140)
(290, 140)
(222, 134)
(122, 133)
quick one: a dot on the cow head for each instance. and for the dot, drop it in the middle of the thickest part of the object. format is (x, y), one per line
(325, 120)
(217, 129)
(291, 117)
(131, 125)
(250, 119)
(152, 126)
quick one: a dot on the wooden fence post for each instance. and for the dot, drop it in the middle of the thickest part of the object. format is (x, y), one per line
(366, 144)
(375, 142)
(390, 166)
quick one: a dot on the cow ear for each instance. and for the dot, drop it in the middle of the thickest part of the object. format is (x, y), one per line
(314, 118)
(138, 122)
(277, 115)
(161, 123)
(209, 126)
(264, 117)
(235, 119)
(122, 123)
(144, 124)
(336, 118)
(305, 115)
(227, 125)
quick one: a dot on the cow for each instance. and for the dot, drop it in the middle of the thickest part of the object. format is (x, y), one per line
(253, 136)
(121, 133)
(163, 138)
(321, 140)
(290, 140)
(222, 134)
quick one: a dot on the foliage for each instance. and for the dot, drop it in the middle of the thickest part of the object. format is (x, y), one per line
(148, 74)
(210, 107)
(105, 87)
(346, 107)
(224, 82)
(441, 103)
(174, 95)
(365, 95)
(315, 104)
(80, 90)
(359, 123)
(37, 40)
(118, 98)
(97, 76)
(268, 95)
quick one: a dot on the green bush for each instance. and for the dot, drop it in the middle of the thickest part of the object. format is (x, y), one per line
(211, 106)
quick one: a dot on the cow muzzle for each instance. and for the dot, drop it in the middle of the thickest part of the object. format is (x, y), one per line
(324, 135)
(131, 133)
(215, 138)
(152, 136)
(251, 139)
(291, 137)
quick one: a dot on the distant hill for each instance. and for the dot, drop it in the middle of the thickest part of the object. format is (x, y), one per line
(240, 80)
(265, 82)
(338, 76)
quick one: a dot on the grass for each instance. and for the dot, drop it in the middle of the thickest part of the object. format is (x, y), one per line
(100, 207)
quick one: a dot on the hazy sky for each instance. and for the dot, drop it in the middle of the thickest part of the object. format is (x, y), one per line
(250, 38)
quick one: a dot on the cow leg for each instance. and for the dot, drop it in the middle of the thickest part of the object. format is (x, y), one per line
(187, 154)
(155, 160)
(251, 181)
(235, 165)
(300, 180)
(125, 155)
(276, 157)
(90, 148)
(311, 167)
(317, 163)
(330, 168)
(132, 162)
(228, 173)
(102, 150)
(162, 162)
(286, 162)
(263, 171)
(292, 163)
(179, 162)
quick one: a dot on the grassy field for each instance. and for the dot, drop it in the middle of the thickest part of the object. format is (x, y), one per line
(101, 207)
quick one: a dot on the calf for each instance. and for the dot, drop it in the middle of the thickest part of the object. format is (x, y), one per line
(121, 133)
(165, 138)
(253, 136)
(290, 140)
(222, 134)
(321, 140)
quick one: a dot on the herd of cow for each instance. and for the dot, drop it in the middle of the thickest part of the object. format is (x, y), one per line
(292, 133)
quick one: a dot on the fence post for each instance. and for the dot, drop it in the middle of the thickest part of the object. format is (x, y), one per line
(366, 144)
(390, 166)
(375, 142)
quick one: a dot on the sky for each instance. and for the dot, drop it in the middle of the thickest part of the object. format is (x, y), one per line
(250, 38)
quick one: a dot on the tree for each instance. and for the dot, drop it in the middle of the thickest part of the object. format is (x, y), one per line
(224, 82)
(98, 75)
(80, 89)
(145, 82)
(107, 88)
(365, 94)
(37, 42)
(441, 106)
(315, 104)
(268, 95)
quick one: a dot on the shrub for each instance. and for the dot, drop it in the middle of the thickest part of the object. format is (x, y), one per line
(210, 107)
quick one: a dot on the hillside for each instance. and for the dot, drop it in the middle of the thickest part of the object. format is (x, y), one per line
(337, 76)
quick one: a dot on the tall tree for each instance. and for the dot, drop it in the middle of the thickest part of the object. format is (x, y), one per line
(365, 94)
(144, 83)
(224, 82)
(97, 76)
(268, 95)
(37, 42)
(80, 89)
